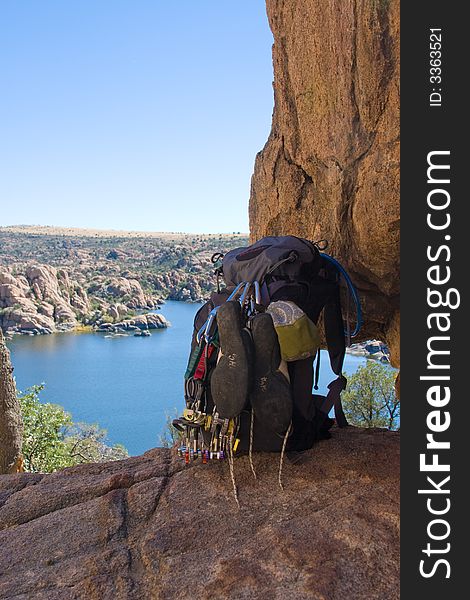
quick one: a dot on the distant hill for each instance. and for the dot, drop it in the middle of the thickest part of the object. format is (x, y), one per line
(108, 233)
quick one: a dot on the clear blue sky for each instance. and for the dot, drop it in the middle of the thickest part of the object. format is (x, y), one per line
(132, 114)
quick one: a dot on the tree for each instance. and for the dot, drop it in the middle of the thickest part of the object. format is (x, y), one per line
(87, 443)
(11, 426)
(370, 399)
(52, 441)
(45, 425)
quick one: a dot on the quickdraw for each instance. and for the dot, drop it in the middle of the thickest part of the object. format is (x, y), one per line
(223, 434)
(204, 435)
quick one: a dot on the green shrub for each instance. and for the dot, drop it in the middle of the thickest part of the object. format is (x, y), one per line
(52, 441)
(170, 435)
(370, 399)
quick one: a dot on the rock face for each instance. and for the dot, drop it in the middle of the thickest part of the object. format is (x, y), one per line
(11, 424)
(42, 300)
(147, 527)
(138, 323)
(192, 286)
(46, 299)
(130, 292)
(330, 168)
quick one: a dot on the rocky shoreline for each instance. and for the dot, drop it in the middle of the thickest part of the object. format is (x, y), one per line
(140, 324)
(373, 349)
(51, 280)
(42, 300)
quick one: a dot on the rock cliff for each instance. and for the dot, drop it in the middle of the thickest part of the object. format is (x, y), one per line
(42, 299)
(147, 527)
(330, 168)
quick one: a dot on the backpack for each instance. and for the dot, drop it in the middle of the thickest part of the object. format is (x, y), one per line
(275, 268)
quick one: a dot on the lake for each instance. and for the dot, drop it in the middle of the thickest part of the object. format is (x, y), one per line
(128, 385)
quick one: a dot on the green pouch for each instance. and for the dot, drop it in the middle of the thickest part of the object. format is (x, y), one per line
(298, 336)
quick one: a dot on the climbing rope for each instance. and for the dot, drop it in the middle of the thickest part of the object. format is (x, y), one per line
(352, 291)
(232, 473)
(283, 451)
(250, 450)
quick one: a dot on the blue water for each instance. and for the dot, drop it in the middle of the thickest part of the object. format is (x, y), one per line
(128, 385)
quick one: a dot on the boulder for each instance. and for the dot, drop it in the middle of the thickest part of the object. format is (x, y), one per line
(129, 292)
(6, 277)
(113, 312)
(150, 321)
(79, 300)
(117, 311)
(139, 322)
(25, 321)
(46, 309)
(42, 300)
(44, 282)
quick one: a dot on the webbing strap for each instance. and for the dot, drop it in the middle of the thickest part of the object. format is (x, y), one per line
(193, 362)
(201, 369)
(333, 399)
(317, 371)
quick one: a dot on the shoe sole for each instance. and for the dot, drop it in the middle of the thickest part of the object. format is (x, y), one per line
(231, 376)
(271, 396)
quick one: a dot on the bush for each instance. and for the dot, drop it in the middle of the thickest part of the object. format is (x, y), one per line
(370, 399)
(170, 435)
(52, 441)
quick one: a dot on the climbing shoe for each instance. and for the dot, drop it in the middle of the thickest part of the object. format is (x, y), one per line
(232, 375)
(270, 395)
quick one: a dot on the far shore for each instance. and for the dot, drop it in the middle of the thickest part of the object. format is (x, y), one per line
(107, 233)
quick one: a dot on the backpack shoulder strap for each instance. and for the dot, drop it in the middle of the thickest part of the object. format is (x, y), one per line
(335, 337)
(333, 399)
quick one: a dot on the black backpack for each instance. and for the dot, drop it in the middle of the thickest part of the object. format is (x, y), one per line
(274, 268)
